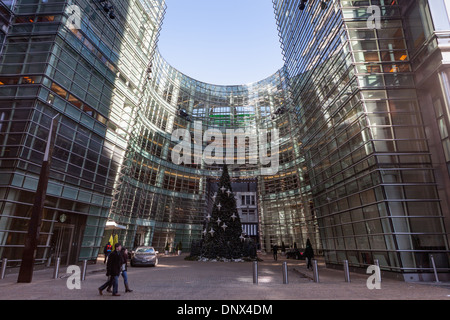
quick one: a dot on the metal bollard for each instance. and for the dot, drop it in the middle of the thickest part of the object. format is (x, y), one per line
(49, 261)
(433, 264)
(346, 271)
(255, 272)
(377, 263)
(4, 263)
(285, 273)
(83, 271)
(56, 272)
(315, 271)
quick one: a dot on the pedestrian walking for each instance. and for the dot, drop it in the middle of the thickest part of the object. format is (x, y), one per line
(309, 254)
(123, 268)
(113, 269)
(107, 251)
(275, 252)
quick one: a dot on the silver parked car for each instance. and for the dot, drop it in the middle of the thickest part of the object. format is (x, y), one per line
(144, 256)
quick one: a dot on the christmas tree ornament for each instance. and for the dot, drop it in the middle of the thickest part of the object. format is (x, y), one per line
(233, 216)
(212, 232)
(223, 189)
(224, 227)
(219, 206)
(219, 221)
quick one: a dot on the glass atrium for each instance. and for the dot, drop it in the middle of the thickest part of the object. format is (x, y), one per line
(359, 121)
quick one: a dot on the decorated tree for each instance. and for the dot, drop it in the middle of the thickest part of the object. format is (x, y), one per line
(222, 235)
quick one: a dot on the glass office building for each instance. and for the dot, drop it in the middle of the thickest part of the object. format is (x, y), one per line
(359, 124)
(163, 203)
(87, 61)
(360, 115)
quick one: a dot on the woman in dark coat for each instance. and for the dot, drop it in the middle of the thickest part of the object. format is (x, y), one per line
(124, 269)
(309, 253)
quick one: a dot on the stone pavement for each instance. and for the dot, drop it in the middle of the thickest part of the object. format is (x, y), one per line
(177, 279)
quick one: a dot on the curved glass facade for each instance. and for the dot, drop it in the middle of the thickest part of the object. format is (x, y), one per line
(359, 122)
(338, 146)
(167, 202)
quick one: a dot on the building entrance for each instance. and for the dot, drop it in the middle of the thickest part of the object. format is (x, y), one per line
(62, 240)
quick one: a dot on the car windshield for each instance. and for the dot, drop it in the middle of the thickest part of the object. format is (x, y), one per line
(145, 250)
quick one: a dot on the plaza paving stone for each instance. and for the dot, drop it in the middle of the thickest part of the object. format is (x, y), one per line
(177, 279)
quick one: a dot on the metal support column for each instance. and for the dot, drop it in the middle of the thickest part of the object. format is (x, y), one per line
(346, 271)
(315, 271)
(255, 272)
(285, 273)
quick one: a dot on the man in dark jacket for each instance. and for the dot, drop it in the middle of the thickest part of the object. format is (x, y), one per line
(275, 252)
(309, 253)
(113, 266)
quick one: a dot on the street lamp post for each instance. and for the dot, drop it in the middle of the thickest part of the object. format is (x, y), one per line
(32, 238)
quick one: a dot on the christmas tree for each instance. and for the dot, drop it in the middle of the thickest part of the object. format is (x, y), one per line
(222, 235)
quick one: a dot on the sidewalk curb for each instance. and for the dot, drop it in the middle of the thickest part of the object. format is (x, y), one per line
(96, 271)
(304, 274)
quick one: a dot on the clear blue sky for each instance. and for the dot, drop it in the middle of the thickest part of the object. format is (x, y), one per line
(224, 42)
